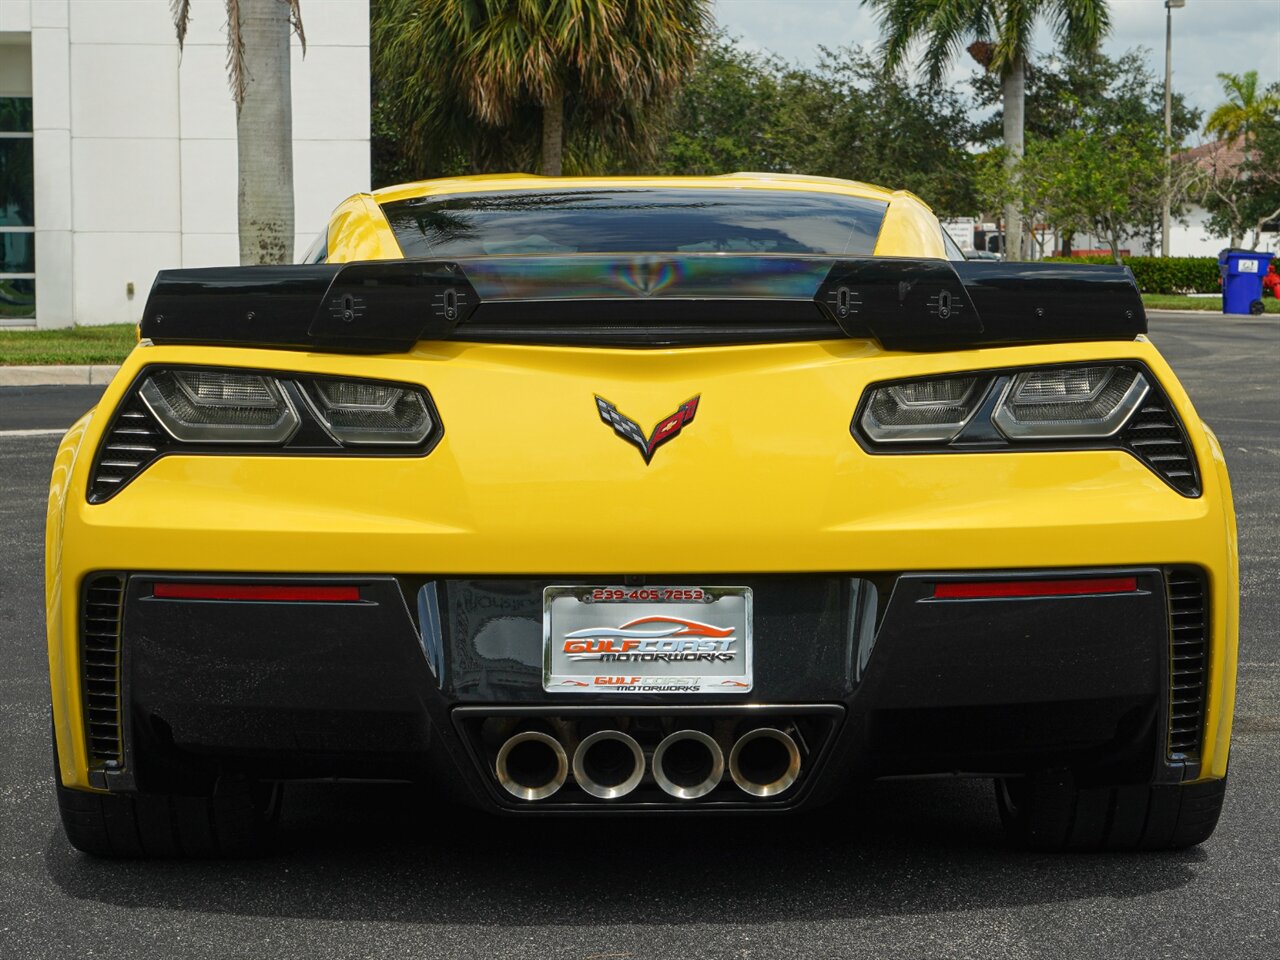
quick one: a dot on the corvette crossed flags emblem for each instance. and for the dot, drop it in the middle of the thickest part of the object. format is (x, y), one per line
(630, 431)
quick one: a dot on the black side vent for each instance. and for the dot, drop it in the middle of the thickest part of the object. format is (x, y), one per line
(1188, 652)
(100, 612)
(1155, 436)
(133, 442)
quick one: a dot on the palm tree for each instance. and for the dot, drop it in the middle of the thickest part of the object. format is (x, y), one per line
(1245, 109)
(1002, 32)
(609, 64)
(258, 70)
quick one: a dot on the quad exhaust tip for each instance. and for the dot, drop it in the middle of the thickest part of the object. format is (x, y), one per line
(688, 764)
(532, 765)
(764, 762)
(608, 764)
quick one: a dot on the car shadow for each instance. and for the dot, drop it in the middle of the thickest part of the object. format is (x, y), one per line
(392, 854)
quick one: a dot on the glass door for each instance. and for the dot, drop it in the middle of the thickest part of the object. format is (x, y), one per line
(17, 214)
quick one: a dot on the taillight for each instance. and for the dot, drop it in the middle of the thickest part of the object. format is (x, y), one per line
(215, 406)
(364, 413)
(1069, 402)
(922, 410)
(205, 410)
(1062, 407)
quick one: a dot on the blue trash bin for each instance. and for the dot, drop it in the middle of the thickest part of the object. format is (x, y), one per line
(1242, 272)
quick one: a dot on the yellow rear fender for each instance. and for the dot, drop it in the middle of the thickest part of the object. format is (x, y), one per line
(60, 610)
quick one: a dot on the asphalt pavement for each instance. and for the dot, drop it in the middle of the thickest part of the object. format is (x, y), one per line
(911, 870)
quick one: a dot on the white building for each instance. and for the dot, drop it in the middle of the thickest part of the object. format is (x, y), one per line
(118, 154)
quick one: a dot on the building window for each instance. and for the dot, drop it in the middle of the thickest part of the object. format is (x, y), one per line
(17, 213)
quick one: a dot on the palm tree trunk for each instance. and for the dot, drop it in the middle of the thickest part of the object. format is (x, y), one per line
(264, 134)
(553, 135)
(1013, 94)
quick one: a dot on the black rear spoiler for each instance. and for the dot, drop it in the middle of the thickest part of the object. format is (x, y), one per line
(643, 300)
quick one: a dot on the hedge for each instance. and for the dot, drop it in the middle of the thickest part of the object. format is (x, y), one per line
(1164, 274)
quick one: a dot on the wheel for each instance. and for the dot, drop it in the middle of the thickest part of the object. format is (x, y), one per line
(1048, 812)
(1256, 307)
(237, 818)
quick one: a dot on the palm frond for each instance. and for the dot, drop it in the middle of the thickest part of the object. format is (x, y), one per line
(295, 21)
(476, 73)
(1080, 25)
(181, 10)
(1244, 110)
(236, 75)
(1224, 123)
(944, 26)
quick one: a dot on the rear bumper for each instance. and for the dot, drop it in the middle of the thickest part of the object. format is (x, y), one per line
(898, 682)
(526, 479)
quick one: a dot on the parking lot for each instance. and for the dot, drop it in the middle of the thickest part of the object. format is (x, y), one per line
(916, 869)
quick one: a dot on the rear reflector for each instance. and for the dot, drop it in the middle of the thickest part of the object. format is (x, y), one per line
(255, 591)
(990, 589)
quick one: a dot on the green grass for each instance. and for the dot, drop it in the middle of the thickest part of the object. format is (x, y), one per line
(109, 343)
(1160, 301)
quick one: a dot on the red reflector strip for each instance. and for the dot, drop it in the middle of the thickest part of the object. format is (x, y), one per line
(255, 591)
(988, 589)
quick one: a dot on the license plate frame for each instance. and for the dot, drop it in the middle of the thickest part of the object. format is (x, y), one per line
(680, 648)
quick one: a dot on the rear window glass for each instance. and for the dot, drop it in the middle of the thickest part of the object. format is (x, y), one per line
(636, 220)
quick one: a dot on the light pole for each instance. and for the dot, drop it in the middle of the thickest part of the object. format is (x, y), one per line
(1169, 7)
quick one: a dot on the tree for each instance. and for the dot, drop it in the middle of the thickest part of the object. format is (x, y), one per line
(1244, 110)
(1072, 92)
(258, 70)
(1103, 95)
(1001, 31)
(489, 75)
(728, 115)
(1106, 181)
(901, 135)
(1240, 173)
(842, 118)
(1243, 195)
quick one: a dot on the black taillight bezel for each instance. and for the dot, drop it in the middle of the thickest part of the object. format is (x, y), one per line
(980, 435)
(133, 419)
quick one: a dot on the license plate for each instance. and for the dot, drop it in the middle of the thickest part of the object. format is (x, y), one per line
(646, 639)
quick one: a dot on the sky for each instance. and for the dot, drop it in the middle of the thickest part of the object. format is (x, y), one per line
(1209, 36)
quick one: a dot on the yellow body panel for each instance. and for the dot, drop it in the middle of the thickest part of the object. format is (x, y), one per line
(527, 479)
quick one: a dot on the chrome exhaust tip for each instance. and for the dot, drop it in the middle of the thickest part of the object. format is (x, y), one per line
(608, 764)
(532, 765)
(688, 764)
(764, 762)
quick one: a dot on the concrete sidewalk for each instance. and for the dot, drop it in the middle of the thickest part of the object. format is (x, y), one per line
(96, 374)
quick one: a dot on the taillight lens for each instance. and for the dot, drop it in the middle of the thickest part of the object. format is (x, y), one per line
(922, 410)
(1070, 402)
(206, 406)
(1117, 406)
(360, 412)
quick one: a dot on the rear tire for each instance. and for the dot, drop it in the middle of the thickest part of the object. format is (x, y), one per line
(237, 820)
(1048, 812)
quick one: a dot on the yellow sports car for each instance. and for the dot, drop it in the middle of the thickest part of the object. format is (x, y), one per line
(572, 496)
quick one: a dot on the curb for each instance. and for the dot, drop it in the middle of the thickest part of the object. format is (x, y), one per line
(96, 374)
(1215, 314)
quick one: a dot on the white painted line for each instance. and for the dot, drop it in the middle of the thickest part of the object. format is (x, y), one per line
(33, 433)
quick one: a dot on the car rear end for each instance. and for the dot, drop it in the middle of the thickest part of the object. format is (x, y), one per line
(548, 568)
